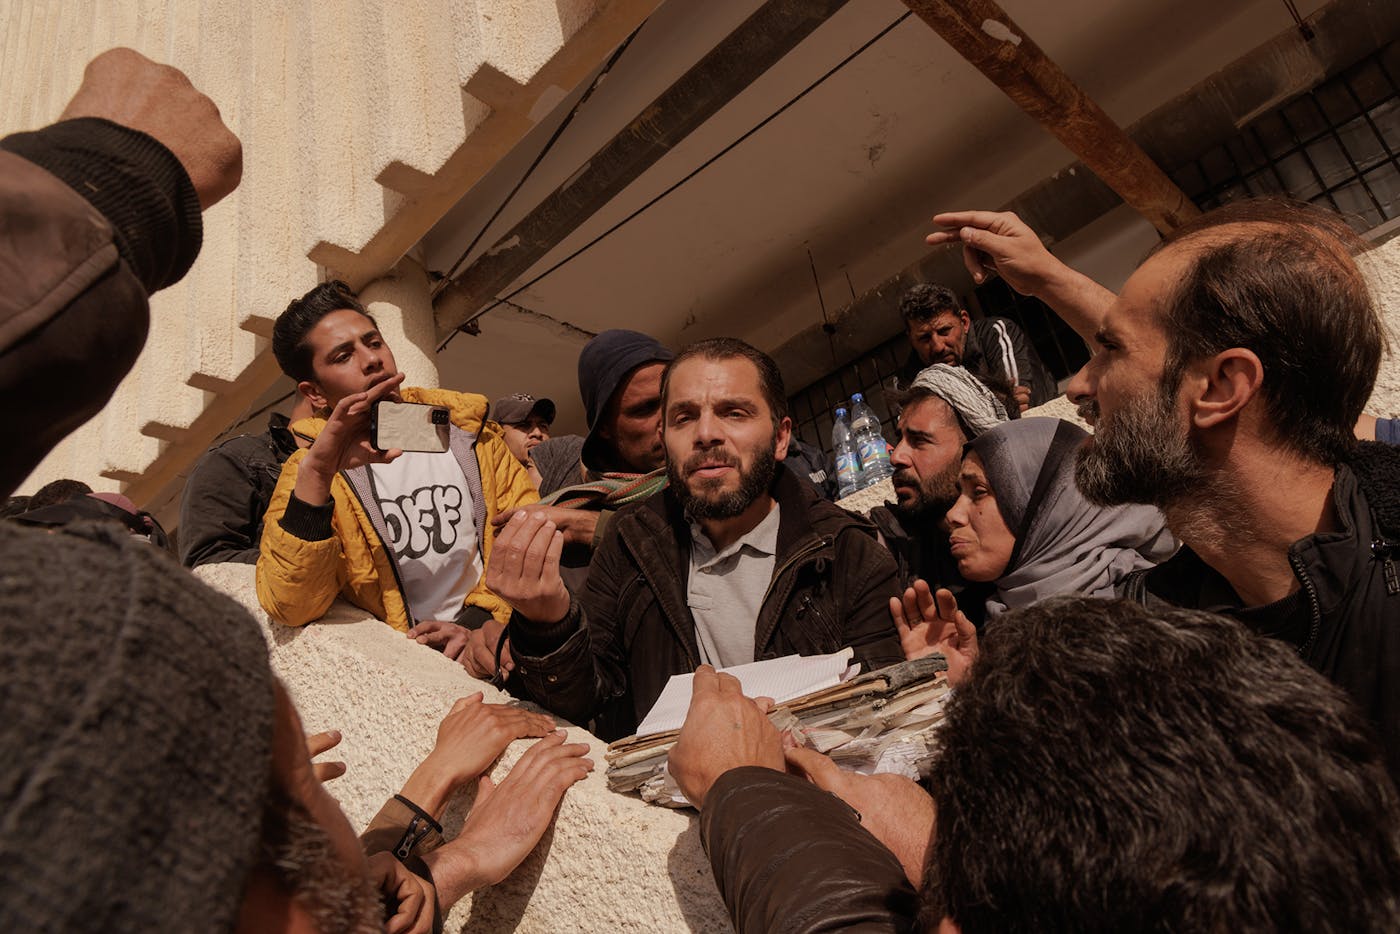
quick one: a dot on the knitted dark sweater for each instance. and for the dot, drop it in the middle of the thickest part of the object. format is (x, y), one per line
(136, 748)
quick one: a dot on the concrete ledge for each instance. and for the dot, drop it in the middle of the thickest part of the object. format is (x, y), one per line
(609, 863)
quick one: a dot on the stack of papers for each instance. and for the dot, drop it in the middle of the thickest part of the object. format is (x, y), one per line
(883, 721)
(779, 679)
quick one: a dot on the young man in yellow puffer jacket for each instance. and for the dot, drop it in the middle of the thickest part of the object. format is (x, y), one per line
(402, 535)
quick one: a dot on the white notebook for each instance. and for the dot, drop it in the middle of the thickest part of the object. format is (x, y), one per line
(779, 678)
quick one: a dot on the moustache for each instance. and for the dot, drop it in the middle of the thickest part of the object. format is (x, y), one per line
(903, 478)
(1089, 411)
(710, 459)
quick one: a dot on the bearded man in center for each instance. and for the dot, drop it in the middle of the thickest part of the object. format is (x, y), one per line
(736, 561)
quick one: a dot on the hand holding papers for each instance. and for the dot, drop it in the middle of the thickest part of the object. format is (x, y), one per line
(882, 721)
(778, 679)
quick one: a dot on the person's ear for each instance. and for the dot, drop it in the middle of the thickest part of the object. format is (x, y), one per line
(314, 394)
(1225, 385)
(965, 318)
(948, 926)
(783, 437)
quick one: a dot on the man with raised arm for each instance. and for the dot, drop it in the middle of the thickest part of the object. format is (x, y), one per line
(1227, 382)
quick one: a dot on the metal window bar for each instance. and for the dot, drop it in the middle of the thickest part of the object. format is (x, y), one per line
(1309, 119)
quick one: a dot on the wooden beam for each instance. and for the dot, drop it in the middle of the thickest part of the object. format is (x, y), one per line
(981, 32)
(730, 67)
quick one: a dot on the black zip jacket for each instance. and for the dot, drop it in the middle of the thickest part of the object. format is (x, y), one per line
(221, 512)
(997, 348)
(630, 629)
(1346, 622)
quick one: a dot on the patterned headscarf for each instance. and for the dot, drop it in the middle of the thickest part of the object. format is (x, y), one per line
(978, 409)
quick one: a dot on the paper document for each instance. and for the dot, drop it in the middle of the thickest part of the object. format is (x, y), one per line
(779, 678)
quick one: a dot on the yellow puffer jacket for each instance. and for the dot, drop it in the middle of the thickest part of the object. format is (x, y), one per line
(298, 580)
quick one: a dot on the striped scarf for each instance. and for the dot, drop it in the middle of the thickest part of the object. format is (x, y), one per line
(608, 490)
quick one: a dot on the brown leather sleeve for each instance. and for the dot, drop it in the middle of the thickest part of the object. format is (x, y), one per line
(400, 830)
(789, 858)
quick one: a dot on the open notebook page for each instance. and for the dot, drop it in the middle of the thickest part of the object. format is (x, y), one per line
(779, 678)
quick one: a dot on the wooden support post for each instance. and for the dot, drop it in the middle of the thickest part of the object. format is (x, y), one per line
(727, 69)
(981, 32)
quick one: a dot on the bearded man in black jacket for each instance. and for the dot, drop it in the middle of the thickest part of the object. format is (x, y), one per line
(1227, 384)
(737, 560)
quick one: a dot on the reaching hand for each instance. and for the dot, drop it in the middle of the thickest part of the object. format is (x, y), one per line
(578, 525)
(126, 87)
(1003, 244)
(895, 810)
(317, 743)
(523, 568)
(723, 730)
(474, 734)
(408, 900)
(508, 820)
(998, 243)
(928, 625)
(471, 737)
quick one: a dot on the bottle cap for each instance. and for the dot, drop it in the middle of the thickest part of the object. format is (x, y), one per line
(857, 397)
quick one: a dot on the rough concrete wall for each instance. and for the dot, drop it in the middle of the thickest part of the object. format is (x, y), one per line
(610, 862)
(1382, 267)
(346, 111)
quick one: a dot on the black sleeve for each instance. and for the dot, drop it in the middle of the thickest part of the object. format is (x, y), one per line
(219, 515)
(1008, 340)
(868, 579)
(137, 184)
(790, 858)
(574, 666)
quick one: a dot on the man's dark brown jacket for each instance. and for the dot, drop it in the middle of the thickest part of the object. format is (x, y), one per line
(630, 629)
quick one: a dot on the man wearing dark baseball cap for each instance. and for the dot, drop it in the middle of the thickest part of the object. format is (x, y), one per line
(526, 422)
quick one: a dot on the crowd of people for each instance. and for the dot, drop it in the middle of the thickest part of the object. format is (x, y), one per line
(1172, 640)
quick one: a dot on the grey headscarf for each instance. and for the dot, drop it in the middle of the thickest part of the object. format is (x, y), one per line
(973, 402)
(1064, 543)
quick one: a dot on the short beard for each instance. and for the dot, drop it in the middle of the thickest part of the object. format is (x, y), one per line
(933, 497)
(1144, 456)
(303, 859)
(753, 483)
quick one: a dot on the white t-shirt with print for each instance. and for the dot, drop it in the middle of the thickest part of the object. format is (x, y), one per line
(432, 531)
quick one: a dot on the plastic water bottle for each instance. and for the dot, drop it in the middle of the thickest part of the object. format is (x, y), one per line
(848, 478)
(870, 444)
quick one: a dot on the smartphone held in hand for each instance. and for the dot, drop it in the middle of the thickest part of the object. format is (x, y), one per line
(408, 426)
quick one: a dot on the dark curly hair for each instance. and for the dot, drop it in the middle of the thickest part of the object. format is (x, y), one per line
(1107, 768)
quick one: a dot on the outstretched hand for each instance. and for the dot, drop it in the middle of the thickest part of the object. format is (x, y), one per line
(523, 568)
(723, 730)
(894, 809)
(930, 623)
(998, 243)
(507, 821)
(471, 737)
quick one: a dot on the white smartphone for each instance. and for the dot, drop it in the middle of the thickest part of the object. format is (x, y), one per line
(408, 426)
